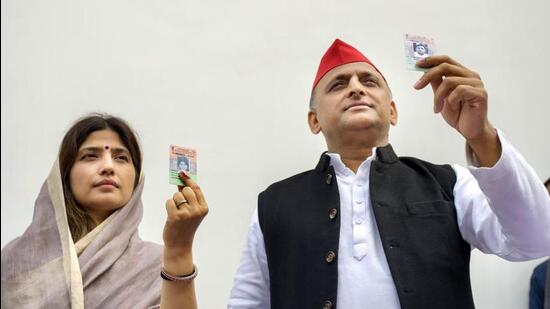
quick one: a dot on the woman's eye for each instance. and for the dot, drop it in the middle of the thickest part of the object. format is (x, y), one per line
(89, 156)
(123, 158)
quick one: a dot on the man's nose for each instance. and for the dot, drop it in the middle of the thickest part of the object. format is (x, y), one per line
(355, 88)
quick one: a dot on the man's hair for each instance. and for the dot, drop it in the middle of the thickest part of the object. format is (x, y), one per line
(312, 100)
(547, 182)
(80, 222)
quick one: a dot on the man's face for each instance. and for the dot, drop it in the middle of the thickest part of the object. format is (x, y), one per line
(350, 99)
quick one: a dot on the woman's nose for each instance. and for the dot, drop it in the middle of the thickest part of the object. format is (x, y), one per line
(107, 167)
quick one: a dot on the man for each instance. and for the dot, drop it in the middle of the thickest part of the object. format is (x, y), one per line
(539, 289)
(368, 229)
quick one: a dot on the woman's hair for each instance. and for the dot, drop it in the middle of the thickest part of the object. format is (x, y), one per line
(80, 222)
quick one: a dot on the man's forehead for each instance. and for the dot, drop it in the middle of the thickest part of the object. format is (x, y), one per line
(350, 69)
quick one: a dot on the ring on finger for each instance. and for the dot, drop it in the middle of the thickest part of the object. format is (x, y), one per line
(178, 204)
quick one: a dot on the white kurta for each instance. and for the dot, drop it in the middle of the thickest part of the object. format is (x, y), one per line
(499, 211)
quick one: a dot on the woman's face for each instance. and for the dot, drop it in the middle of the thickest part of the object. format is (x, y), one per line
(420, 49)
(102, 177)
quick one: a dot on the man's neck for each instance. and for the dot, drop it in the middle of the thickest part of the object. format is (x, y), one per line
(353, 154)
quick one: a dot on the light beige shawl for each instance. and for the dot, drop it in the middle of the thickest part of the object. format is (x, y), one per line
(111, 267)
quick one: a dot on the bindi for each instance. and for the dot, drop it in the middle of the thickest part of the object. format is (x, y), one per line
(106, 147)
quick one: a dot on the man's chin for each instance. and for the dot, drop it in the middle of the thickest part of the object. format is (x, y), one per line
(362, 121)
(368, 127)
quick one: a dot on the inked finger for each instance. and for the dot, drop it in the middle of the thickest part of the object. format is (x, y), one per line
(194, 186)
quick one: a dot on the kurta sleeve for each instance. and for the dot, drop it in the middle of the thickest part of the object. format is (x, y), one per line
(505, 209)
(251, 284)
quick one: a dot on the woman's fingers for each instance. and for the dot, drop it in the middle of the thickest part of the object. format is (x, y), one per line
(194, 187)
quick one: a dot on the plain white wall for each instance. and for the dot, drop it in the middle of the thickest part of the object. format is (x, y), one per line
(232, 79)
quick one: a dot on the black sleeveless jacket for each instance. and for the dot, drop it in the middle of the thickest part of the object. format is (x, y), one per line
(413, 203)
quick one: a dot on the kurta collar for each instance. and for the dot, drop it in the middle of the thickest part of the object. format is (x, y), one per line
(384, 154)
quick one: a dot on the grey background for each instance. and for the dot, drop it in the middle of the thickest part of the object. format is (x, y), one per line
(232, 79)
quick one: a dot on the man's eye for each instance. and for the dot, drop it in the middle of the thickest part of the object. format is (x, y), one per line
(370, 82)
(337, 85)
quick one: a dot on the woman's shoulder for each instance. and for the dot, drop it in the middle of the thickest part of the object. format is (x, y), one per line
(140, 247)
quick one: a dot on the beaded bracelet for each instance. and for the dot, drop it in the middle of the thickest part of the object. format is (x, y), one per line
(166, 276)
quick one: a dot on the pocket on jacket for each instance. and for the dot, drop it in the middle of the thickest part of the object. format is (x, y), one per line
(429, 208)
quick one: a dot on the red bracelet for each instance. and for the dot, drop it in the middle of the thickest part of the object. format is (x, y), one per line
(166, 276)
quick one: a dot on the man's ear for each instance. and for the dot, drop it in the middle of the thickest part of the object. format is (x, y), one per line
(393, 113)
(313, 122)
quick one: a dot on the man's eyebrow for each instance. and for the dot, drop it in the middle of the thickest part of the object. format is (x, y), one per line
(368, 74)
(347, 76)
(339, 77)
(343, 76)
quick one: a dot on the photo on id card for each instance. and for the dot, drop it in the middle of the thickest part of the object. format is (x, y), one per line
(417, 47)
(182, 159)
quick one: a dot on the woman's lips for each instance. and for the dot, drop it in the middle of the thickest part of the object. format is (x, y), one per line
(106, 183)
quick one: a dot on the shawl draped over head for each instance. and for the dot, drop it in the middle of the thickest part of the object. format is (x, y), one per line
(111, 267)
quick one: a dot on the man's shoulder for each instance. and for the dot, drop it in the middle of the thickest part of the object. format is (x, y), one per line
(291, 182)
(421, 161)
(433, 167)
(443, 173)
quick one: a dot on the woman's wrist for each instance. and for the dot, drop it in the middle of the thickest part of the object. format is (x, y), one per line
(178, 261)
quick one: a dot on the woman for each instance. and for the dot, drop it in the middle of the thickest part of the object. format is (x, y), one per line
(82, 248)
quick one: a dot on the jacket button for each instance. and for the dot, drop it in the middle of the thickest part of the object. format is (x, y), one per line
(393, 244)
(328, 179)
(330, 256)
(332, 213)
(408, 291)
(327, 304)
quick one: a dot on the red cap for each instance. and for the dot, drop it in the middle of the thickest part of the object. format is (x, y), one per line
(339, 53)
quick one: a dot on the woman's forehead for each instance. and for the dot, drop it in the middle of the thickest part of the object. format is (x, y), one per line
(103, 139)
